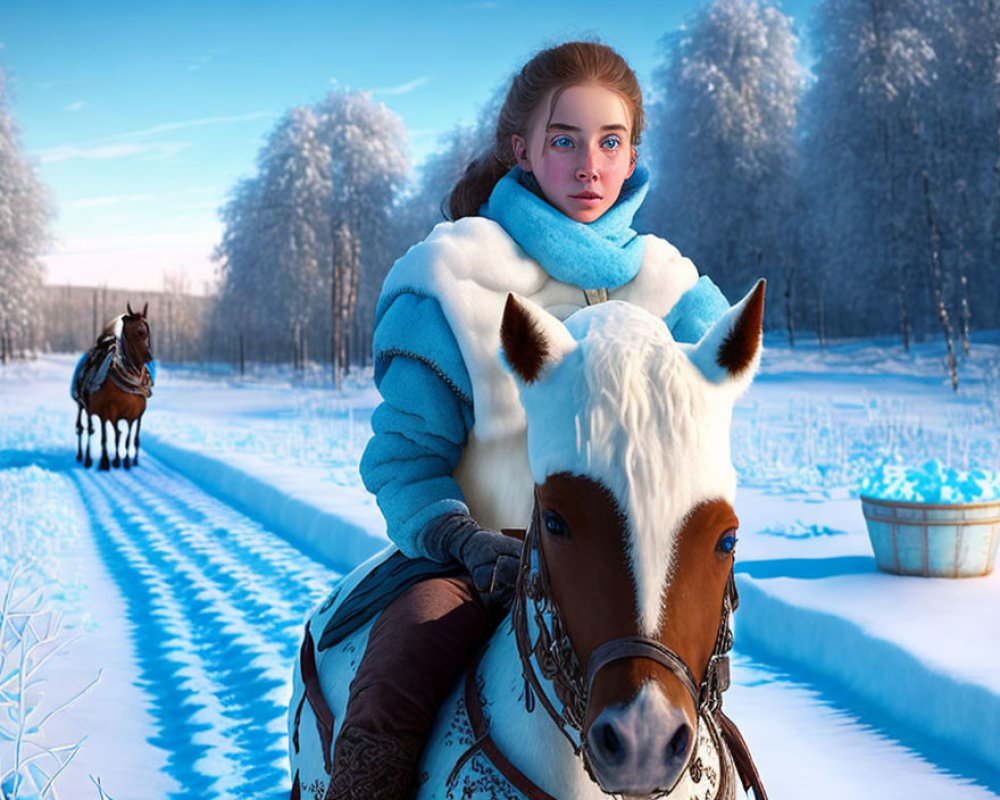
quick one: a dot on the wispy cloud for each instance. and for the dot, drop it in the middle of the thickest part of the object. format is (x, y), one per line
(190, 123)
(152, 151)
(207, 205)
(98, 202)
(403, 88)
(75, 106)
(46, 85)
(122, 145)
(201, 61)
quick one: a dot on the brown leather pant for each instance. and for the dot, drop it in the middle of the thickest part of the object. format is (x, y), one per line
(417, 650)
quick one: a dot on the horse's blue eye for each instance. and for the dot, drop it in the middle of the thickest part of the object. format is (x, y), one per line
(727, 543)
(555, 524)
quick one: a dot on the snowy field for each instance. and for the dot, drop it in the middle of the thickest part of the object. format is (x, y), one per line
(186, 609)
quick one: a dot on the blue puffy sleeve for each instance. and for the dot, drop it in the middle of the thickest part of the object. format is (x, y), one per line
(696, 311)
(421, 426)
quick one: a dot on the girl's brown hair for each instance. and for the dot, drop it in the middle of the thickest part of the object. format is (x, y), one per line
(558, 68)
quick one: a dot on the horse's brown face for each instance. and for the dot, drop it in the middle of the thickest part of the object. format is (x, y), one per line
(135, 331)
(585, 541)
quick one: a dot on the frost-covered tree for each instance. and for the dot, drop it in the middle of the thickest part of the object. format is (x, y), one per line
(368, 166)
(244, 317)
(961, 121)
(420, 206)
(295, 169)
(865, 152)
(427, 203)
(991, 10)
(24, 214)
(301, 234)
(902, 145)
(276, 245)
(723, 144)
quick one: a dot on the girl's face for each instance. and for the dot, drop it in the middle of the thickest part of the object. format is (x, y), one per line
(581, 154)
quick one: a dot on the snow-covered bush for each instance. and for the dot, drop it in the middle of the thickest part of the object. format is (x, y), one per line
(788, 438)
(827, 449)
(32, 632)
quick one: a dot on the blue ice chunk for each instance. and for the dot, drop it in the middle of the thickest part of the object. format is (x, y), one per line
(932, 482)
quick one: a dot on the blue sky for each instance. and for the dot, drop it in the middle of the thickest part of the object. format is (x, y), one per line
(141, 116)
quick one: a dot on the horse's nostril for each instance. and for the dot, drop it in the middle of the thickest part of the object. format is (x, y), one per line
(612, 744)
(678, 744)
(607, 745)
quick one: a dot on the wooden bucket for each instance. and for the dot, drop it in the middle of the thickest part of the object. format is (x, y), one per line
(954, 540)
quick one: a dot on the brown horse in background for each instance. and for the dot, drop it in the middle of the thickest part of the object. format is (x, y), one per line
(113, 382)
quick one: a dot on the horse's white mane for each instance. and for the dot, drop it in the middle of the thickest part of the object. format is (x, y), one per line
(114, 326)
(629, 409)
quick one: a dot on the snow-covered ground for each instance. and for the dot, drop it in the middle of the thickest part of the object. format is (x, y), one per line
(186, 581)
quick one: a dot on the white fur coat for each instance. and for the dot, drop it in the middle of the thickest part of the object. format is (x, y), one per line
(470, 266)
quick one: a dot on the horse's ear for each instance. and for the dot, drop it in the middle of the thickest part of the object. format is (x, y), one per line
(730, 350)
(531, 338)
(128, 306)
(145, 308)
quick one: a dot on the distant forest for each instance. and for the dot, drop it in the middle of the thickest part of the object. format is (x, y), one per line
(74, 316)
(866, 192)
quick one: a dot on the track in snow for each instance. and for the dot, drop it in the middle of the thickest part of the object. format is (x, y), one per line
(217, 604)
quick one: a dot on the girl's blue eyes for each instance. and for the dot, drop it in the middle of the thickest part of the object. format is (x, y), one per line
(564, 142)
(727, 543)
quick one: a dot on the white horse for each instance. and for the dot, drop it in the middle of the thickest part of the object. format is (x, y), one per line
(607, 678)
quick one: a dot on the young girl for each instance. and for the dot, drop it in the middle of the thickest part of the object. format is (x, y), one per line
(546, 214)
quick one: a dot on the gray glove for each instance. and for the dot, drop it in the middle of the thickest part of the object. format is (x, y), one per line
(491, 558)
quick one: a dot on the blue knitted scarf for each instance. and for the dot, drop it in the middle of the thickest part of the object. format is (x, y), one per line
(605, 253)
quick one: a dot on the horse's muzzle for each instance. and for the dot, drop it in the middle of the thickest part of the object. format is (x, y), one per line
(640, 748)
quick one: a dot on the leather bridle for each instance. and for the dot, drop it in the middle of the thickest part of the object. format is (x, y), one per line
(126, 372)
(534, 607)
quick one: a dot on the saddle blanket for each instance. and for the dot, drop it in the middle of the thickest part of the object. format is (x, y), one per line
(93, 367)
(370, 587)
